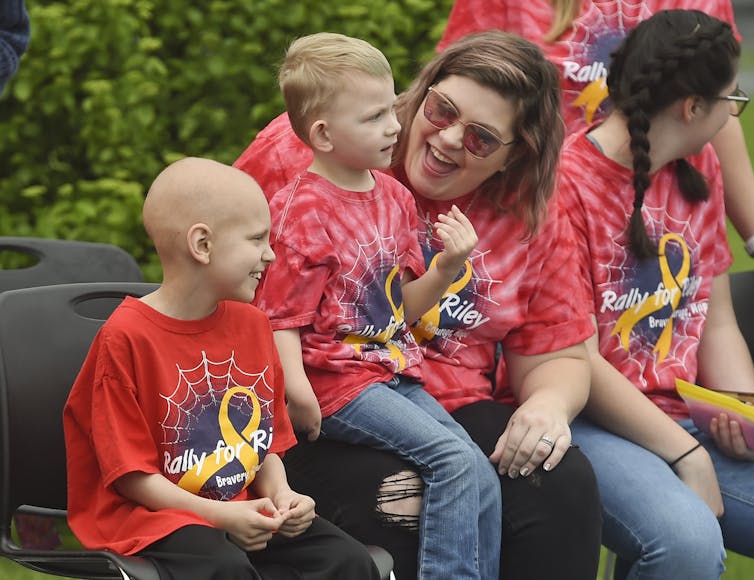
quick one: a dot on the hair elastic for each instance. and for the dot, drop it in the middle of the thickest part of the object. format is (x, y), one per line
(689, 452)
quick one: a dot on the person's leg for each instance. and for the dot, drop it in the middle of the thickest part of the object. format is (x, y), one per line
(373, 495)
(650, 517)
(199, 553)
(323, 552)
(383, 418)
(736, 479)
(490, 499)
(557, 513)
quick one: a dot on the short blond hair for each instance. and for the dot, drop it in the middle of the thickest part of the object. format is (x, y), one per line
(319, 65)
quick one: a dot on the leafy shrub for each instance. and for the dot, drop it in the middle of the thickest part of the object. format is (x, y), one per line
(111, 91)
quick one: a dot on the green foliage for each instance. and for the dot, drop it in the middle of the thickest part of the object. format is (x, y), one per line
(111, 91)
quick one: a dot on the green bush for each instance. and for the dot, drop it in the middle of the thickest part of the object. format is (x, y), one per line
(111, 91)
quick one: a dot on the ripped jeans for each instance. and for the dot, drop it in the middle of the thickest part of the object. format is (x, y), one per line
(459, 526)
(376, 496)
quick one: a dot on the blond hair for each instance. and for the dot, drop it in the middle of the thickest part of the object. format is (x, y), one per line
(566, 12)
(319, 65)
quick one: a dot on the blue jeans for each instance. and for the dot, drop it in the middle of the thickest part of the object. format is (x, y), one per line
(653, 521)
(460, 522)
(736, 480)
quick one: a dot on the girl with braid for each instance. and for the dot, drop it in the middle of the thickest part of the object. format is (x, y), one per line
(643, 190)
(578, 37)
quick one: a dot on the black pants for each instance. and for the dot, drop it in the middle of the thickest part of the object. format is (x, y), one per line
(551, 520)
(323, 552)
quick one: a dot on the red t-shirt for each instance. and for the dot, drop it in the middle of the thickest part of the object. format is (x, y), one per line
(337, 277)
(523, 295)
(582, 53)
(650, 313)
(201, 402)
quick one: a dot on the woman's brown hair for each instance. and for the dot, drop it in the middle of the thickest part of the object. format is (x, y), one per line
(517, 70)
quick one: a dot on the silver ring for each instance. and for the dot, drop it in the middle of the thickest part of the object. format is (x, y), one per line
(545, 439)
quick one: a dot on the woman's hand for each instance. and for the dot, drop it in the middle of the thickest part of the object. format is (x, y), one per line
(729, 438)
(537, 432)
(697, 471)
(551, 389)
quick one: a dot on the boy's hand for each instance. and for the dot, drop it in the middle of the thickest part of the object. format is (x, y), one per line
(299, 512)
(250, 524)
(304, 411)
(459, 237)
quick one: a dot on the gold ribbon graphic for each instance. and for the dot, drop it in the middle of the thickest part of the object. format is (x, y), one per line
(591, 98)
(395, 353)
(193, 481)
(673, 285)
(423, 330)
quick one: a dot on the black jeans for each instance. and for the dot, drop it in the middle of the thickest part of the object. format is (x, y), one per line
(551, 520)
(323, 552)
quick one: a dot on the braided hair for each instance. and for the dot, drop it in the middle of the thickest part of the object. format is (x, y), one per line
(670, 56)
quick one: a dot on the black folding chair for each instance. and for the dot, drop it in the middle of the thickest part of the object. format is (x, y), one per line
(742, 293)
(45, 334)
(65, 261)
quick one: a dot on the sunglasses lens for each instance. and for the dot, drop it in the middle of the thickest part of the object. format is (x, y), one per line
(441, 113)
(479, 141)
(438, 111)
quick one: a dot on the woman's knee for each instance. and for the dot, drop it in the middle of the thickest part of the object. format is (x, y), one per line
(682, 541)
(572, 485)
(399, 500)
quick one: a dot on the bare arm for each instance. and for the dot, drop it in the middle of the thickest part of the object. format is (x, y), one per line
(724, 358)
(725, 363)
(459, 239)
(551, 390)
(303, 407)
(619, 407)
(738, 177)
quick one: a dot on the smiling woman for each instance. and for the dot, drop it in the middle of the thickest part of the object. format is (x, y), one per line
(508, 291)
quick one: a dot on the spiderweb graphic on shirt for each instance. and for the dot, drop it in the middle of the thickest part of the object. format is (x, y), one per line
(201, 389)
(598, 32)
(623, 274)
(364, 299)
(478, 294)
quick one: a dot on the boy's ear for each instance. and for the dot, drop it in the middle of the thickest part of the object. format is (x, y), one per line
(199, 239)
(319, 136)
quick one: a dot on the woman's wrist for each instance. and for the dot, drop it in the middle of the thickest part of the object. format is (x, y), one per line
(683, 456)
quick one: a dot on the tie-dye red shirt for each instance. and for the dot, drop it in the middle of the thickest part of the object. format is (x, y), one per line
(337, 277)
(650, 313)
(582, 53)
(522, 295)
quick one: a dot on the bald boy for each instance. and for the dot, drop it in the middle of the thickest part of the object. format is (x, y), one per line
(177, 419)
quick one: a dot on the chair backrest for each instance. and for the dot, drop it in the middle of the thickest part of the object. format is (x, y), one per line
(45, 334)
(742, 293)
(66, 261)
